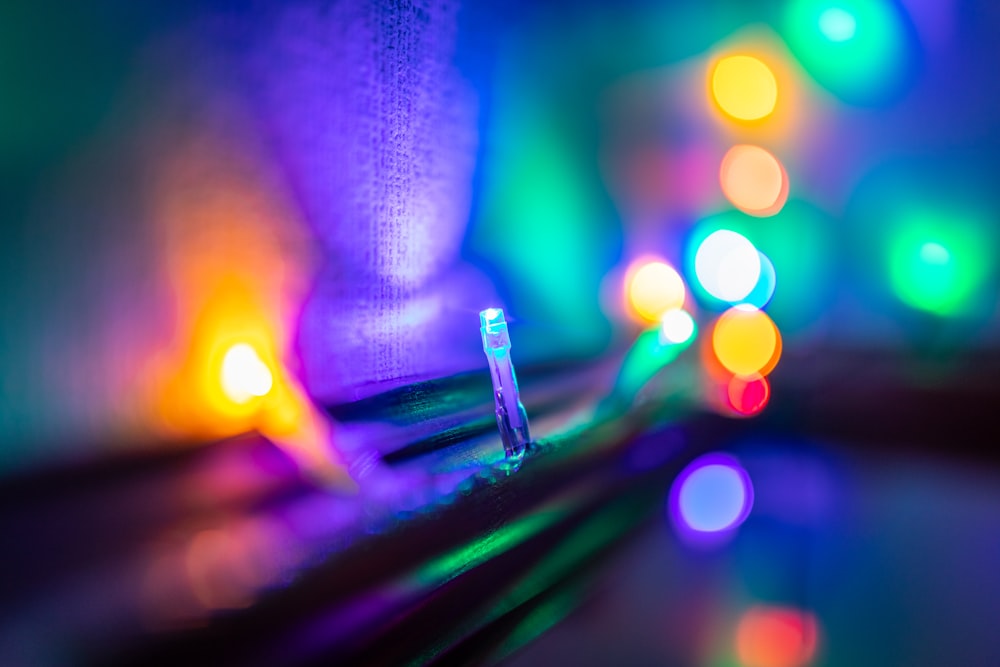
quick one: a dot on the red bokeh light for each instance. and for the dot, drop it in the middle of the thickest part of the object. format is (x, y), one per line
(748, 395)
(776, 637)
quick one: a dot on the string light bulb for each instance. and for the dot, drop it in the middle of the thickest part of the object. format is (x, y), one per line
(512, 419)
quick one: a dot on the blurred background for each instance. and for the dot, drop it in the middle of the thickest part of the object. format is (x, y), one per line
(240, 240)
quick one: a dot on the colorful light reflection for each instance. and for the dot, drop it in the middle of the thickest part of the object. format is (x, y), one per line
(770, 636)
(712, 495)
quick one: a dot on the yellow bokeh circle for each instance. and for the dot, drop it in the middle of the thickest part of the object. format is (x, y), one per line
(744, 87)
(653, 287)
(746, 341)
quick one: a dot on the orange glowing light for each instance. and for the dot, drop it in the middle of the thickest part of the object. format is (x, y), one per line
(653, 288)
(744, 87)
(746, 341)
(754, 180)
(236, 263)
(776, 637)
(244, 375)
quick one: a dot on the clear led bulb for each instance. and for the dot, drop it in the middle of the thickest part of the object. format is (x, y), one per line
(512, 420)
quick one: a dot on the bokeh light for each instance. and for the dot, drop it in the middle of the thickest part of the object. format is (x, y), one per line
(238, 265)
(799, 242)
(771, 636)
(837, 25)
(746, 341)
(753, 180)
(938, 262)
(857, 49)
(762, 292)
(653, 287)
(244, 374)
(934, 254)
(713, 494)
(712, 498)
(744, 87)
(727, 265)
(747, 396)
(676, 327)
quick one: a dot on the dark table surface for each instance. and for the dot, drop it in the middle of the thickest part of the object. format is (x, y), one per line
(878, 559)
(873, 540)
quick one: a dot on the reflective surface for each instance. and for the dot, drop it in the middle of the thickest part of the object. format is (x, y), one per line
(844, 560)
